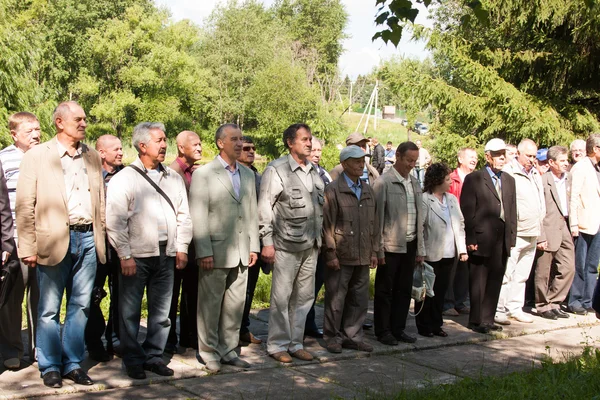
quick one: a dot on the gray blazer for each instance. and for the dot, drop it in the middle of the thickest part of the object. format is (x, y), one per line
(434, 226)
(225, 227)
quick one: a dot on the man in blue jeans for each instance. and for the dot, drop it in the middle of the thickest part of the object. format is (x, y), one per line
(60, 222)
(149, 225)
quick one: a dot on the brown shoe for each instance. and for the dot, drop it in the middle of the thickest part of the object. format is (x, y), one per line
(248, 337)
(334, 347)
(360, 346)
(302, 355)
(282, 356)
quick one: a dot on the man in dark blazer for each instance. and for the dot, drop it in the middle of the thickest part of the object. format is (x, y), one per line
(556, 266)
(488, 203)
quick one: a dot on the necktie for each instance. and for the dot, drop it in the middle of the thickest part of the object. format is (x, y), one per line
(499, 191)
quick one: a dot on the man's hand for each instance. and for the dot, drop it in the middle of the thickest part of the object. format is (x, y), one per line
(542, 245)
(374, 262)
(333, 264)
(268, 254)
(253, 259)
(181, 260)
(420, 259)
(128, 267)
(30, 261)
(206, 263)
(463, 257)
(472, 247)
(381, 261)
(575, 231)
(5, 257)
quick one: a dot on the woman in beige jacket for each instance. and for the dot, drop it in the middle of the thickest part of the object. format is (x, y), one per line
(444, 236)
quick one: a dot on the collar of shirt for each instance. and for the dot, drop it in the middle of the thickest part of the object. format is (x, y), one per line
(352, 184)
(186, 168)
(62, 150)
(559, 180)
(160, 167)
(294, 165)
(492, 174)
(226, 166)
(403, 180)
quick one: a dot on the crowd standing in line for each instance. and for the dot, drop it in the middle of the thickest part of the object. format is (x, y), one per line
(75, 217)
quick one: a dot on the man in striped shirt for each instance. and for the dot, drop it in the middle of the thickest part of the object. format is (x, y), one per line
(25, 130)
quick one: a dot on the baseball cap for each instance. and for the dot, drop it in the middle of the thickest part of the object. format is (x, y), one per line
(542, 154)
(495, 145)
(355, 138)
(351, 151)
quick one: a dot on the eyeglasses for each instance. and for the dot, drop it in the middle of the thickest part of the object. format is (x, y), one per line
(248, 148)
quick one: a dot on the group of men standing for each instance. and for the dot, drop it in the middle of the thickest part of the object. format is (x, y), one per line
(204, 232)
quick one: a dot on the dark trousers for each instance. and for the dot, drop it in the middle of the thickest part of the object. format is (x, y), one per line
(587, 255)
(311, 324)
(393, 284)
(155, 274)
(486, 274)
(457, 294)
(429, 319)
(96, 326)
(253, 273)
(185, 282)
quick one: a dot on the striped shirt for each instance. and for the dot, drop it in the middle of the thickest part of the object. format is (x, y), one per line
(11, 158)
(411, 207)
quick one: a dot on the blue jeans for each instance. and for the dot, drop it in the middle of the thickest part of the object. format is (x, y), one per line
(587, 256)
(156, 275)
(75, 273)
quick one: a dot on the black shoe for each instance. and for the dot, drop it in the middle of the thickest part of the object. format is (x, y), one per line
(316, 334)
(478, 328)
(99, 354)
(590, 310)
(367, 326)
(550, 314)
(136, 372)
(560, 313)
(171, 348)
(159, 368)
(426, 334)
(79, 377)
(388, 339)
(441, 333)
(493, 327)
(52, 379)
(578, 310)
(403, 337)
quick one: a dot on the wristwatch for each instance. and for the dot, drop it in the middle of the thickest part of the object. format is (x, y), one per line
(125, 258)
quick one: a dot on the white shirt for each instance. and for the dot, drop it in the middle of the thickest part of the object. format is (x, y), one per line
(561, 188)
(77, 185)
(159, 211)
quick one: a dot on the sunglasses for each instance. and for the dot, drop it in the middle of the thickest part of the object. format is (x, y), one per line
(248, 148)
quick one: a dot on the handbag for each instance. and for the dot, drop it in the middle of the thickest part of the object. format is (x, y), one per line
(8, 277)
(423, 281)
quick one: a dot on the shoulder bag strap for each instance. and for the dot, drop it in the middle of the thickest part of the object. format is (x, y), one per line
(155, 186)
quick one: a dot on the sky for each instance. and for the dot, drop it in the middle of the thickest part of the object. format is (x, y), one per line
(361, 54)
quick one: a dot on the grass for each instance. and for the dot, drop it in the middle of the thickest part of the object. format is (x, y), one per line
(578, 378)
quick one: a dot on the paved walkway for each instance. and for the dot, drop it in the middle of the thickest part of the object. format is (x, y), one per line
(351, 374)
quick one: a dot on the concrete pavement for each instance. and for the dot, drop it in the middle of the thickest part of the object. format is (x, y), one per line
(351, 374)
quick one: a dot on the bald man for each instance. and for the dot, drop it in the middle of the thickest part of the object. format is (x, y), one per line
(189, 151)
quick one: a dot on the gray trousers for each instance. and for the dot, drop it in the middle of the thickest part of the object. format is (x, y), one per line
(554, 274)
(11, 344)
(221, 299)
(346, 303)
(292, 295)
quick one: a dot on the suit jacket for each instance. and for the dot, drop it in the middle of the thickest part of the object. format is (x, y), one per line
(480, 205)
(554, 221)
(7, 240)
(434, 227)
(585, 197)
(41, 205)
(225, 226)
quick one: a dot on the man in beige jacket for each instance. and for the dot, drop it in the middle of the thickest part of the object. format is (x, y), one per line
(60, 221)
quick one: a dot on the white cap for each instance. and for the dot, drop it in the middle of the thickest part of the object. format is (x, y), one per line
(495, 145)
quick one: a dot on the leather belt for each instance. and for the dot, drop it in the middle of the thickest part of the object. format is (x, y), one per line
(82, 228)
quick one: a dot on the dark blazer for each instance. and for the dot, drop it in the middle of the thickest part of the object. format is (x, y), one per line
(554, 221)
(480, 206)
(6, 221)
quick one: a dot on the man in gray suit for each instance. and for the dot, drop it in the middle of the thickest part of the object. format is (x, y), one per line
(224, 217)
(556, 267)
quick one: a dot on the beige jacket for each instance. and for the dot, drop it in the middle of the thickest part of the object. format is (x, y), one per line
(585, 197)
(129, 202)
(41, 205)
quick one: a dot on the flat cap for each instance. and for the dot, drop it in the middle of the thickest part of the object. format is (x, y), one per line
(355, 138)
(495, 145)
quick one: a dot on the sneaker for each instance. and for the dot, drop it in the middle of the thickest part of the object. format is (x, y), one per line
(451, 312)
(501, 319)
(522, 317)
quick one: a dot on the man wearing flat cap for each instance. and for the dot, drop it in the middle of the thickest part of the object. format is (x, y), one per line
(350, 246)
(488, 203)
(369, 172)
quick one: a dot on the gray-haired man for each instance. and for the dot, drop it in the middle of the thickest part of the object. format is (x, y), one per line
(150, 229)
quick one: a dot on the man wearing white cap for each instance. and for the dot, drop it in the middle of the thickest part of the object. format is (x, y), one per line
(350, 246)
(489, 206)
(532, 208)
